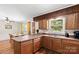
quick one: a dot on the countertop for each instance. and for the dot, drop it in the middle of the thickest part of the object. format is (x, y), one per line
(33, 36)
(26, 37)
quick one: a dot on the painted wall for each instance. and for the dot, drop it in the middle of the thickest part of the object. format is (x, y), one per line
(14, 15)
(4, 33)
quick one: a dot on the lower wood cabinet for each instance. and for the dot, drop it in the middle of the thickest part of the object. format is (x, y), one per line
(66, 46)
(52, 44)
(27, 47)
(37, 44)
(70, 46)
(17, 47)
(56, 45)
(46, 42)
(61, 45)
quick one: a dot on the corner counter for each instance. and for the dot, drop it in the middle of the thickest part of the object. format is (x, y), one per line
(27, 44)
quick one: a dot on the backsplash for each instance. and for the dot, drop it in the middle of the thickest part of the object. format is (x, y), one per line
(50, 32)
(60, 33)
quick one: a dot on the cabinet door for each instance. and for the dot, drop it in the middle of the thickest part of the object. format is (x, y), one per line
(40, 24)
(70, 21)
(56, 44)
(27, 47)
(70, 46)
(43, 24)
(37, 44)
(46, 42)
(77, 21)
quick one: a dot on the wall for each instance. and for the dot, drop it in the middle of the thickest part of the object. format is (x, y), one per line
(13, 14)
(4, 33)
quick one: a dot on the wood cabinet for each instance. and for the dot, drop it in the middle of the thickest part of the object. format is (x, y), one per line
(56, 45)
(72, 21)
(37, 44)
(27, 47)
(42, 24)
(53, 44)
(60, 45)
(46, 42)
(71, 14)
(70, 46)
(42, 20)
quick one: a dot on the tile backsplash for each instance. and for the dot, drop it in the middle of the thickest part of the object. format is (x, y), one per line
(60, 33)
(50, 32)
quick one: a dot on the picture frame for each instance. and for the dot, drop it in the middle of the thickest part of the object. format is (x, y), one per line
(8, 26)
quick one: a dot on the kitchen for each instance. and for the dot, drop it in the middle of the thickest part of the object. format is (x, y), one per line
(55, 32)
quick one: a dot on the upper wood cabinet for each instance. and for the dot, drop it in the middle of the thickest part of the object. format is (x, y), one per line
(42, 24)
(72, 21)
(71, 14)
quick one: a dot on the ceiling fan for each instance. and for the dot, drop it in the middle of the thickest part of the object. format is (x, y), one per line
(7, 20)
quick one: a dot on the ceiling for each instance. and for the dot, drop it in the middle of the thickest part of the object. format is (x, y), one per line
(22, 12)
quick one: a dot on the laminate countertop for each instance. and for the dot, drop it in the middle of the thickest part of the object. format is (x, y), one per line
(33, 36)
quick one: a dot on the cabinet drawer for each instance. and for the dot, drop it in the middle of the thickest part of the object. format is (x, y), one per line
(37, 39)
(70, 49)
(26, 43)
(70, 42)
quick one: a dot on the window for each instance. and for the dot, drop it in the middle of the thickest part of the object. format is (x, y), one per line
(57, 25)
(25, 27)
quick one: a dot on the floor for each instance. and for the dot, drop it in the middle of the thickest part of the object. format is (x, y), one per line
(46, 51)
(5, 48)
